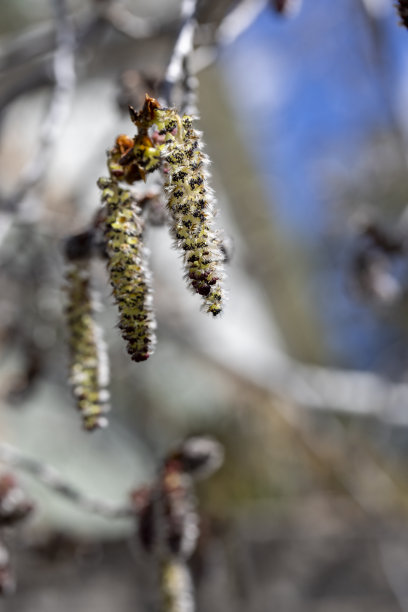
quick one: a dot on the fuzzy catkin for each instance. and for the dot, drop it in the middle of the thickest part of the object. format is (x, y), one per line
(190, 203)
(89, 370)
(129, 275)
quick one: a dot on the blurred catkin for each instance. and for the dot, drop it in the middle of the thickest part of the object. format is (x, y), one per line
(89, 370)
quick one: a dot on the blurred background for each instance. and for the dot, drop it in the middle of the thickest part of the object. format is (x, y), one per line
(303, 378)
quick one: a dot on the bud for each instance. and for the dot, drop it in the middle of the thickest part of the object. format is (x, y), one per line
(199, 456)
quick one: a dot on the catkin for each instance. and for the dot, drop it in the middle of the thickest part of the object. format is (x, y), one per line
(89, 371)
(129, 275)
(176, 586)
(190, 203)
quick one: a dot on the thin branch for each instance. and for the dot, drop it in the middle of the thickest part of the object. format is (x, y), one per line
(182, 49)
(231, 27)
(190, 84)
(136, 28)
(64, 75)
(26, 46)
(57, 483)
(239, 20)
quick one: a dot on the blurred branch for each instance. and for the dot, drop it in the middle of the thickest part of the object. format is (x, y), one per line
(57, 483)
(185, 62)
(125, 22)
(329, 389)
(232, 26)
(64, 76)
(27, 46)
(239, 20)
(380, 60)
(183, 47)
(316, 387)
(41, 40)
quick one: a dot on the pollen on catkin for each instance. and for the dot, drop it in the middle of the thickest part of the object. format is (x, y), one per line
(127, 265)
(402, 8)
(89, 370)
(190, 202)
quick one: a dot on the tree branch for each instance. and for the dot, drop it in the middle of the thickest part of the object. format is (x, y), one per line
(57, 483)
(64, 76)
(183, 47)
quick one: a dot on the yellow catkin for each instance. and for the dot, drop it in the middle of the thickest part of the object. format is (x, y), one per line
(89, 371)
(130, 278)
(190, 202)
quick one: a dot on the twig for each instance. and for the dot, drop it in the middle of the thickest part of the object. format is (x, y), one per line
(54, 481)
(239, 20)
(26, 46)
(182, 49)
(64, 74)
(136, 28)
(231, 27)
(190, 84)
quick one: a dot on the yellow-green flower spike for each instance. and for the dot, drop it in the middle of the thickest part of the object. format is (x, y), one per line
(190, 202)
(89, 370)
(129, 274)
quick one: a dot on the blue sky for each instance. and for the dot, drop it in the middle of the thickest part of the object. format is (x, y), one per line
(314, 90)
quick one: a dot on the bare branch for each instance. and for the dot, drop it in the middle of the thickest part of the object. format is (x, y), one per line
(57, 483)
(26, 46)
(136, 28)
(182, 49)
(359, 393)
(231, 27)
(64, 75)
(239, 20)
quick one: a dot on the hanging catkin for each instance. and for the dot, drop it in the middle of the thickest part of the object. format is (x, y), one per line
(89, 370)
(129, 274)
(190, 202)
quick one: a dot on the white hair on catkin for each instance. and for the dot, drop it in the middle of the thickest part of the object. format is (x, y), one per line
(129, 273)
(190, 201)
(89, 367)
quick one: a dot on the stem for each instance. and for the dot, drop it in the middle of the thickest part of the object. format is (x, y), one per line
(54, 481)
(183, 47)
